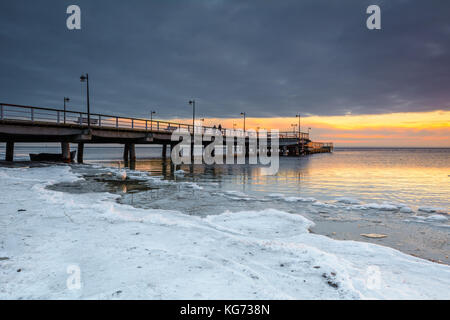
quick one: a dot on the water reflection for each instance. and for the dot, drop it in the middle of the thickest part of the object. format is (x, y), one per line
(414, 177)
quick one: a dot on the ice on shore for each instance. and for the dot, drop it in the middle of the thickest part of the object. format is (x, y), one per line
(432, 210)
(437, 217)
(385, 206)
(127, 252)
(347, 200)
(281, 196)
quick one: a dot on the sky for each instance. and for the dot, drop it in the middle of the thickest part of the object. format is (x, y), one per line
(270, 59)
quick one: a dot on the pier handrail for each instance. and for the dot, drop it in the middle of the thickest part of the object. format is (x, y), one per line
(79, 118)
(318, 145)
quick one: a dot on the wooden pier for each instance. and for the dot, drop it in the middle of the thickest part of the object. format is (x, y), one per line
(20, 123)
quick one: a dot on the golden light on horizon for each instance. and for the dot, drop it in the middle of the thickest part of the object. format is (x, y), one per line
(420, 129)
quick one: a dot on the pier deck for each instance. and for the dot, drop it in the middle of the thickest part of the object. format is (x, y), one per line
(20, 123)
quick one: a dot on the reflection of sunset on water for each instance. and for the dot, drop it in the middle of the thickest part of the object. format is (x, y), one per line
(413, 176)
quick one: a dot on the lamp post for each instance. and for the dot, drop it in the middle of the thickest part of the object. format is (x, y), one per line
(293, 125)
(299, 131)
(244, 114)
(151, 119)
(65, 100)
(85, 78)
(192, 102)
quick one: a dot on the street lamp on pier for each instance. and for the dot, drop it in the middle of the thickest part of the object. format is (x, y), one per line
(299, 131)
(244, 114)
(151, 119)
(192, 102)
(85, 78)
(66, 99)
(293, 125)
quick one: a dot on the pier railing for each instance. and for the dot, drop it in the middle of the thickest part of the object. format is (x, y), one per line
(320, 145)
(40, 115)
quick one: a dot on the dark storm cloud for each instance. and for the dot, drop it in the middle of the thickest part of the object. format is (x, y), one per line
(268, 58)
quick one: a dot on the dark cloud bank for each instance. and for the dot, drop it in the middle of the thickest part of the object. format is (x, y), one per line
(265, 57)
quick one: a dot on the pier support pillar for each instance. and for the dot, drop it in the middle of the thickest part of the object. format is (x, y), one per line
(80, 152)
(164, 151)
(126, 154)
(9, 151)
(65, 150)
(132, 153)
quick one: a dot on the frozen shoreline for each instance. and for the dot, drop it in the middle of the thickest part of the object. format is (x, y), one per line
(125, 252)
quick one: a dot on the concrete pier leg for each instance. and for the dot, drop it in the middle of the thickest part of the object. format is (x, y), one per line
(132, 152)
(80, 152)
(164, 151)
(126, 154)
(65, 150)
(164, 168)
(9, 151)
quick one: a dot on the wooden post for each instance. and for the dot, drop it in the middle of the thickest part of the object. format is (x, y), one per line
(65, 150)
(80, 152)
(132, 152)
(9, 151)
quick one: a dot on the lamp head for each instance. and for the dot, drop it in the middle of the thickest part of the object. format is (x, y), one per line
(83, 78)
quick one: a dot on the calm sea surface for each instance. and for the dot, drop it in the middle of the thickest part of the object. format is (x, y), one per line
(401, 193)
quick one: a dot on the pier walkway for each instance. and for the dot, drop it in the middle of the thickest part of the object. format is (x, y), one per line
(20, 123)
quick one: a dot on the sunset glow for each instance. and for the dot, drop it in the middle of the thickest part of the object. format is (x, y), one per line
(407, 129)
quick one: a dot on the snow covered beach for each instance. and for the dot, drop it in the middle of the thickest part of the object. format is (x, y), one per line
(126, 252)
